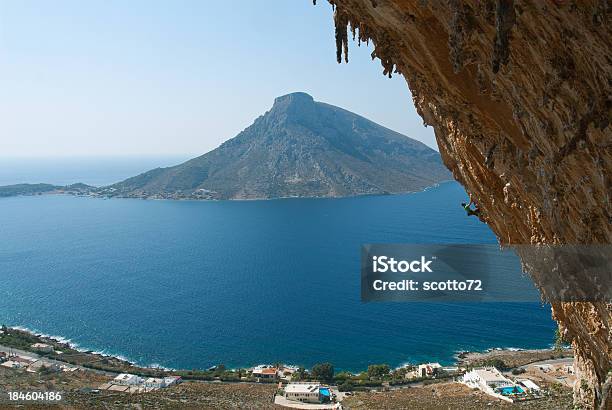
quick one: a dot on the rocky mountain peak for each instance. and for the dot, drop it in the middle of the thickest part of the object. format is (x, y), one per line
(299, 148)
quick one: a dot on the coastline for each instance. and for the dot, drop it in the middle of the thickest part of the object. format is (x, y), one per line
(513, 356)
(84, 386)
(95, 195)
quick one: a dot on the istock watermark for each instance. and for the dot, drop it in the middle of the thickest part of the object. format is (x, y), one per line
(485, 273)
(384, 264)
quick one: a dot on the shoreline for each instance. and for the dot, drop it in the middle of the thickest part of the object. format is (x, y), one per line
(82, 386)
(461, 358)
(60, 340)
(188, 199)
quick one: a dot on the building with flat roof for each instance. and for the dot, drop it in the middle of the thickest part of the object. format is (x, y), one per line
(528, 384)
(172, 380)
(429, 369)
(491, 381)
(487, 377)
(307, 392)
(126, 379)
(154, 383)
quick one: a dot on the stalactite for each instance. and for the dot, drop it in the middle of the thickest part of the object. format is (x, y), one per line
(341, 23)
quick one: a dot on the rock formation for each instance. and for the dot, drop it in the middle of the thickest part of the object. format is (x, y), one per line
(519, 95)
(299, 148)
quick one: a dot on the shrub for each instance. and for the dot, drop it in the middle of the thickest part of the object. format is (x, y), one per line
(497, 363)
(378, 371)
(323, 371)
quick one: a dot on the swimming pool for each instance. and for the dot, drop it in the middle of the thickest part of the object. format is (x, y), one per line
(324, 392)
(507, 391)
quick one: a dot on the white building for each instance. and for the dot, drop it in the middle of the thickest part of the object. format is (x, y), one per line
(172, 380)
(42, 347)
(429, 369)
(486, 378)
(126, 379)
(304, 392)
(489, 380)
(155, 383)
(528, 384)
(265, 372)
(161, 382)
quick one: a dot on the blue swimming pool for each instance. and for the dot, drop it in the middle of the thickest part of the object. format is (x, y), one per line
(324, 392)
(506, 391)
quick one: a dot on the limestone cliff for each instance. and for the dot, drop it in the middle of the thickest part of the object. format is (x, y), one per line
(519, 95)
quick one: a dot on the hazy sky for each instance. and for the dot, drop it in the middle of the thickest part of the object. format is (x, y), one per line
(173, 77)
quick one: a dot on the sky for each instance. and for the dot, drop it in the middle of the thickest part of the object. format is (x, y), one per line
(148, 77)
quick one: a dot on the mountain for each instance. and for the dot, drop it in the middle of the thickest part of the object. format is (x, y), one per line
(300, 148)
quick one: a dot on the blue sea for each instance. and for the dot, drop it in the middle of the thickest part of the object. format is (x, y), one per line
(187, 284)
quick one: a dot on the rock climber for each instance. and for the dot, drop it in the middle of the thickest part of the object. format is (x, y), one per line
(468, 207)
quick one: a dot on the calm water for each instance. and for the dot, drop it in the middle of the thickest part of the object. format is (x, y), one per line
(96, 171)
(192, 284)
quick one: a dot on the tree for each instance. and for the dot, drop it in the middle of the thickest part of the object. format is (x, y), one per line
(219, 370)
(323, 371)
(343, 376)
(378, 371)
(497, 363)
(347, 385)
(299, 374)
(400, 373)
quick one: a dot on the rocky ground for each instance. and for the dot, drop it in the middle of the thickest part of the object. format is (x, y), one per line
(75, 389)
(201, 395)
(511, 358)
(188, 395)
(21, 380)
(450, 396)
